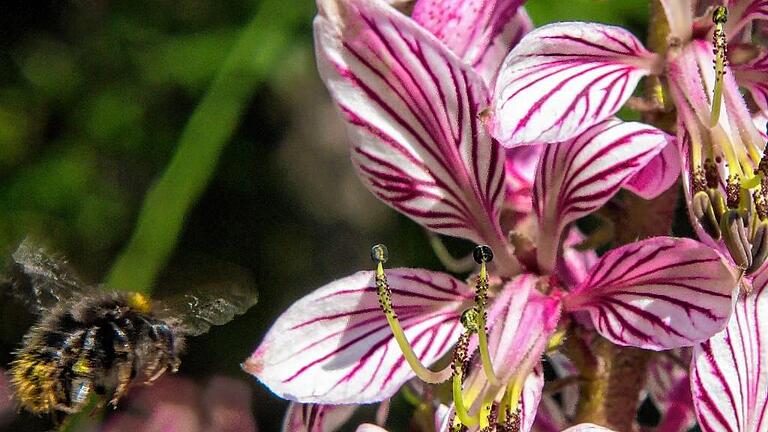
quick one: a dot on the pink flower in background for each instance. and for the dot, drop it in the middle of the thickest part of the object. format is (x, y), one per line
(175, 404)
(7, 405)
(413, 110)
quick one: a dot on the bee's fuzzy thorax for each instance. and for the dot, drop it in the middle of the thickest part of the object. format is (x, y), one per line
(95, 344)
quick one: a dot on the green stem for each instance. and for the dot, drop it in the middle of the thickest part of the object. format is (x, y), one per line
(208, 130)
(192, 166)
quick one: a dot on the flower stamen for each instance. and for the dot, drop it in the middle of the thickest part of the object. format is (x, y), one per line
(379, 254)
(459, 364)
(719, 17)
(483, 255)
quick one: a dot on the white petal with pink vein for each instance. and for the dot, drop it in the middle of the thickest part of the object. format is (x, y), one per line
(658, 294)
(728, 373)
(658, 175)
(412, 109)
(334, 346)
(316, 418)
(577, 177)
(482, 32)
(563, 78)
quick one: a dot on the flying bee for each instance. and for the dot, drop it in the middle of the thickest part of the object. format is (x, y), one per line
(92, 341)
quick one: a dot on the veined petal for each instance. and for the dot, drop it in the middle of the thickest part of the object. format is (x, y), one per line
(316, 418)
(516, 341)
(519, 176)
(670, 390)
(574, 265)
(728, 372)
(563, 78)
(529, 400)
(658, 175)
(522, 334)
(412, 109)
(660, 293)
(753, 76)
(549, 416)
(481, 32)
(579, 176)
(334, 346)
(742, 12)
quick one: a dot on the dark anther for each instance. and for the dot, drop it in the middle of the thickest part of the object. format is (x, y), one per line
(379, 253)
(699, 180)
(482, 254)
(720, 15)
(711, 174)
(732, 191)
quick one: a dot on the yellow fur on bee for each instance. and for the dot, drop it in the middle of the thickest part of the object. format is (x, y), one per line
(33, 381)
(139, 302)
(81, 366)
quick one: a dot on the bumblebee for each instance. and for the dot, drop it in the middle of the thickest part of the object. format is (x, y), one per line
(92, 341)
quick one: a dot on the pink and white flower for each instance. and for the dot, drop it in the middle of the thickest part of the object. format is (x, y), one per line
(576, 75)
(413, 103)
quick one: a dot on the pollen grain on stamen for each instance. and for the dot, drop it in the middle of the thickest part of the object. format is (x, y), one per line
(720, 43)
(379, 254)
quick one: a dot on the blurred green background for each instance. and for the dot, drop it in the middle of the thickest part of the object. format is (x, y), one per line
(98, 98)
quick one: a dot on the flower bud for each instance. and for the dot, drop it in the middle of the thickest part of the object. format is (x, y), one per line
(736, 239)
(704, 212)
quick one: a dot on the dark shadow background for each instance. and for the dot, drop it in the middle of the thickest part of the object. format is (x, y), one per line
(93, 98)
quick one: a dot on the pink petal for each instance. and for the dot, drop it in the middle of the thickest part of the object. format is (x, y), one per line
(169, 405)
(520, 172)
(529, 400)
(577, 177)
(669, 388)
(334, 346)
(517, 342)
(753, 76)
(563, 78)
(574, 265)
(549, 416)
(728, 378)
(481, 32)
(660, 293)
(316, 418)
(742, 12)
(660, 174)
(412, 110)
(227, 403)
(519, 337)
(6, 398)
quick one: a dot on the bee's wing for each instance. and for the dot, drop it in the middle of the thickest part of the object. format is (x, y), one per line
(211, 304)
(40, 279)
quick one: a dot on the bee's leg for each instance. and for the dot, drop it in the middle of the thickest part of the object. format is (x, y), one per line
(162, 340)
(124, 363)
(166, 343)
(158, 373)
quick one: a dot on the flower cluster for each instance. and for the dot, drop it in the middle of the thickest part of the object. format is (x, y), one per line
(474, 125)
